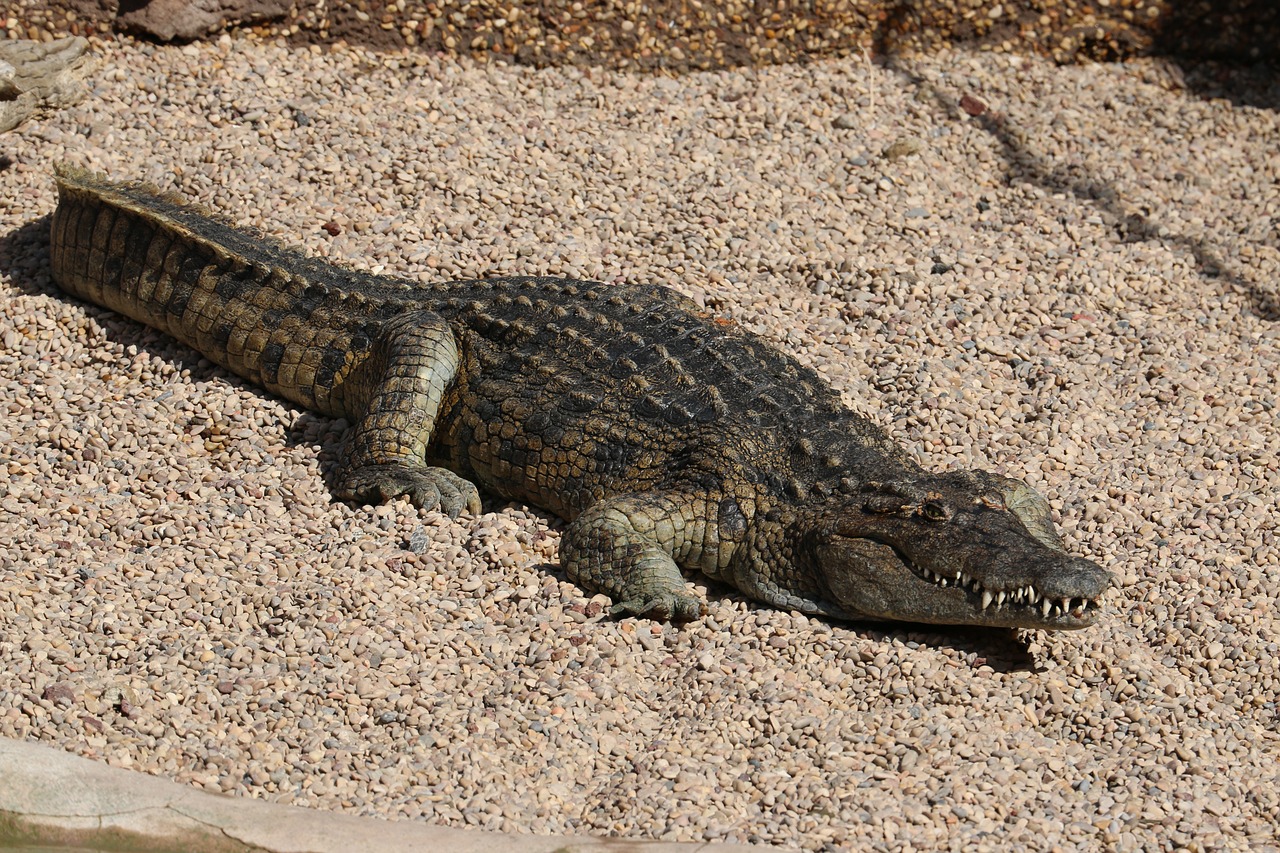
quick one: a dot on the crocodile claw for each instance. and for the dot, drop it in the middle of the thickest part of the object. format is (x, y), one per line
(669, 606)
(426, 487)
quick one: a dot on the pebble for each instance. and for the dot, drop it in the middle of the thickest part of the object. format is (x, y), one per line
(181, 594)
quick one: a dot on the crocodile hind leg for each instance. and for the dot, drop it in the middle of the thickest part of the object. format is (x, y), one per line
(626, 547)
(411, 367)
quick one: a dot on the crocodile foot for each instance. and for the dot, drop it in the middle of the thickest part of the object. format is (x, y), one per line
(671, 606)
(426, 487)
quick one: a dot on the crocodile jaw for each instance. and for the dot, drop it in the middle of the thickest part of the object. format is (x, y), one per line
(867, 579)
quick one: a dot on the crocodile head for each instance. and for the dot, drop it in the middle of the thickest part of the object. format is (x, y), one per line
(962, 548)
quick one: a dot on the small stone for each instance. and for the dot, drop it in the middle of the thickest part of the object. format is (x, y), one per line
(972, 105)
(59, 694)
(906, 146)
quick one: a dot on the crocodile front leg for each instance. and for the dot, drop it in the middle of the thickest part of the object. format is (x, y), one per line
(410, 367)
(626, 547)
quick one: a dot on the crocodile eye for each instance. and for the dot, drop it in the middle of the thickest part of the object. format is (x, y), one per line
(935, 512)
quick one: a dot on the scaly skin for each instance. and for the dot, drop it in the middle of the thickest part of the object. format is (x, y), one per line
(668, 439)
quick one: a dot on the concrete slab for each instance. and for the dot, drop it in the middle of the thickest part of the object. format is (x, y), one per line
(53, 799)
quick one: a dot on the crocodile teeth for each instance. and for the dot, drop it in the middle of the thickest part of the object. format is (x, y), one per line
(1023, 595)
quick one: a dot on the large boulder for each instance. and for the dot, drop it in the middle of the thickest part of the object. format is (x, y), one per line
(185, 20)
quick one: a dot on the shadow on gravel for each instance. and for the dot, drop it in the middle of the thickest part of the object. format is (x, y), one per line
(1223, 48)
(1236, 37)
(1001, 650)
(1130, 226)
(24, 257)
(1243, 85)
(1025, 163)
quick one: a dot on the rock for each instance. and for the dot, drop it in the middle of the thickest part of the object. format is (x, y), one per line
(972, 105)
(185, 20)
(906, 146)
(60, 694)
(37, 78)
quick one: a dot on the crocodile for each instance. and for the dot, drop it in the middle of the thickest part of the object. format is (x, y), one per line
(667, 438)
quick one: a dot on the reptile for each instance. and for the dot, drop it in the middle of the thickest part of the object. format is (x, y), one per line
(667, 439)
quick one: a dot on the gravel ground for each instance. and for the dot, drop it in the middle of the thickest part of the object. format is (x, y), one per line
(1063, 274)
